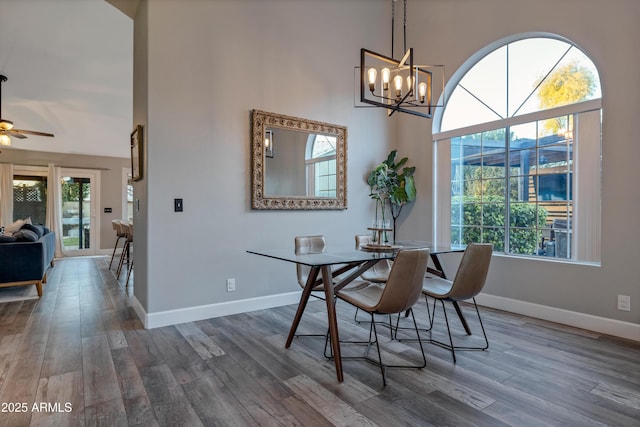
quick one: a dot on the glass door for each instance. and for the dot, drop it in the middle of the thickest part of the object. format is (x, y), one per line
(80, 232)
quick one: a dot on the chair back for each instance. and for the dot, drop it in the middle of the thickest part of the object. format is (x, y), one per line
(380, 271)
(116, 224)
(307, 245)
(404, 286)
(472, 272)
(363, 239)
(125, 228)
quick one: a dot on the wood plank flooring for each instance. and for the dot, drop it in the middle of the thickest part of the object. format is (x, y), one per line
(80, 357)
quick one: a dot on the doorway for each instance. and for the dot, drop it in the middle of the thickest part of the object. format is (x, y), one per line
(80, 224)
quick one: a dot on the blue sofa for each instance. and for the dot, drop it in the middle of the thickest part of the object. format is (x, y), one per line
(26, 263)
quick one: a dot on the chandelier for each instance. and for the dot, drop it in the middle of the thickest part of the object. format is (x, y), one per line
(398, 85)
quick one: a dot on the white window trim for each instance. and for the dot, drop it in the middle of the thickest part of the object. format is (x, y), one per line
(586, 187)
(578, 107)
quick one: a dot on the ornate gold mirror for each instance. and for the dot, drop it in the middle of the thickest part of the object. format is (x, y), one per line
(297, 163)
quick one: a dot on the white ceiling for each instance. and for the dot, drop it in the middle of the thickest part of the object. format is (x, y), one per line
(69, 65)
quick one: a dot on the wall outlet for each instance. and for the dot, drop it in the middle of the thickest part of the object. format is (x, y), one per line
(624, 302)
(231, 285)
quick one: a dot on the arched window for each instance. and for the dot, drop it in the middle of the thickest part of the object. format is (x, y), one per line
(321, 165)
(518, 151)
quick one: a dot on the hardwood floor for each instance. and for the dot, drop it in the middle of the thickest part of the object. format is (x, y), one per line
(81, 356)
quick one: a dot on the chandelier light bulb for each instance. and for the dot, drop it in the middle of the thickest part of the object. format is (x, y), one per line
(397, 81)
(386, 74)
(410, 85)
(373, 73)
(422, 91)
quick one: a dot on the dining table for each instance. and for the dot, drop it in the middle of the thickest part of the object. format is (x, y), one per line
(339, 266)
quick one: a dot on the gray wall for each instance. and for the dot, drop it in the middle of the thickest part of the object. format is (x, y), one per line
(195, 88)
(227, 58)
(111, 185)
(452, 31)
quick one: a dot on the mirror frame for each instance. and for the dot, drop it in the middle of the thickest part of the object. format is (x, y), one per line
(261, 121)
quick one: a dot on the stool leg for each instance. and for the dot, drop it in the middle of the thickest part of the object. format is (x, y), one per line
(114, 251)
(129, 273)
(124, 252)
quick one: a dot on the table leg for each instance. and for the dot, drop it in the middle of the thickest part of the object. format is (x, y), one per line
(333, 322)
(306, 293)
(465, 325)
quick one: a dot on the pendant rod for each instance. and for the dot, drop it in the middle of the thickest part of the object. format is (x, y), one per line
(404, 24)
(393, 25)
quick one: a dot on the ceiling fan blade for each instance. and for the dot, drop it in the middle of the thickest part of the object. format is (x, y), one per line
(31, 132)
(14, 134)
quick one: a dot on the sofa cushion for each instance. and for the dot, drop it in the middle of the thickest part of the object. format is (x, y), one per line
(35, 228)
(15, 226)
(25, 235)
(7, 238)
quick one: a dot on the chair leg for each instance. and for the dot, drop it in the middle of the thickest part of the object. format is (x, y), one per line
(122, 257)
(451, 346)
(486, 340)
(388, 324)
(129, 273)
(114, 251)
(382, 367)
(373, 339)
(398, 327)
(446, 319)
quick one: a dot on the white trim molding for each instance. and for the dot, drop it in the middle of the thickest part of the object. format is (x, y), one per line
(571, 318)
(589, 322)
(209, 311)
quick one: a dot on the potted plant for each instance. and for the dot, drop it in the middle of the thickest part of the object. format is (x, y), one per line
(391, 186)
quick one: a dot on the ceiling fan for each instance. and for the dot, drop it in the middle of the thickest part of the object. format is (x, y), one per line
(6, 126)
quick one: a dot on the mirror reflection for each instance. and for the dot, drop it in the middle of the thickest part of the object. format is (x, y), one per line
(297, 163)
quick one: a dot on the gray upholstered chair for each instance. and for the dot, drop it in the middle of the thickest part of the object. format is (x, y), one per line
(309, 245)
(316, 244)
(401, 291)
(380, 271)
(468, 282)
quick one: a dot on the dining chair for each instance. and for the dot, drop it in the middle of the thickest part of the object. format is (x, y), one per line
(401, 291)
(379, 273)
(468, 282)
(309, 245)
(115, 223)
(316, 244)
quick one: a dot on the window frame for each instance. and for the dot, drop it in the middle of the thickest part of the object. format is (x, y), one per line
(442, 179)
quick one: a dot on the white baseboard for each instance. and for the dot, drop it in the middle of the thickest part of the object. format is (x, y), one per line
(579, 320)
(209, 311)
(602, 325)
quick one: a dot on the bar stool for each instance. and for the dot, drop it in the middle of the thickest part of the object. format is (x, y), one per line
(130, 259)
(115, 223)
(126, 229)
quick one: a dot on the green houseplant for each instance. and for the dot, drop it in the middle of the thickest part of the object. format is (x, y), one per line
(392, 185)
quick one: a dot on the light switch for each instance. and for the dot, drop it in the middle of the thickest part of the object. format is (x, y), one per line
(177, 205)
